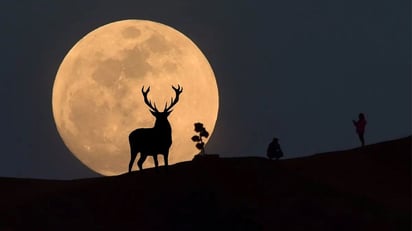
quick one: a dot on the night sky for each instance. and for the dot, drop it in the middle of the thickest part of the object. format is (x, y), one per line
(298, 70)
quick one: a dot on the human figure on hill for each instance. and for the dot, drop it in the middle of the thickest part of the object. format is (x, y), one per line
(274, 150)
(360, 127)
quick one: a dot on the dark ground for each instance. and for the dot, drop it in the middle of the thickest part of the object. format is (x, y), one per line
(360, 189)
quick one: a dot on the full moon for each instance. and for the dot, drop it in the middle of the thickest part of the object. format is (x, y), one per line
(97, 99)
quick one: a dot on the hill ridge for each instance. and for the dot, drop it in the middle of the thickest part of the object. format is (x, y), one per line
(359, 189)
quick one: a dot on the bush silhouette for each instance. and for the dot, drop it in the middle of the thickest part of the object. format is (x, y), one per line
(199, 128)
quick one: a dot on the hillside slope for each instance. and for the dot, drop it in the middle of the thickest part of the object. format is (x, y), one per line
(360, 189)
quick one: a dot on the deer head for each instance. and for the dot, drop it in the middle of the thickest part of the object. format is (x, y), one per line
(168, 109)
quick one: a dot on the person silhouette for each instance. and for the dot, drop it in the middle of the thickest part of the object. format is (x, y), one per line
(360, 127)
(274, 150)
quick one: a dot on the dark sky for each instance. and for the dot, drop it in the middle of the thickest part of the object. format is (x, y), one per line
(299, 70)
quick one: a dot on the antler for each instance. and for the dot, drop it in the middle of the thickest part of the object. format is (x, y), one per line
(178, 91)
(148, 103)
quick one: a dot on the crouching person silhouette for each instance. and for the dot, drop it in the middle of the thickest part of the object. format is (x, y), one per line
(274, 150)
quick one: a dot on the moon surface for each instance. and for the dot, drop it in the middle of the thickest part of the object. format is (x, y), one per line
(97, 99)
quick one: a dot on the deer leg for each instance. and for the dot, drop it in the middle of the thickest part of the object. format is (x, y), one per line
(141, 160)
(132, 158)
(155, 161)
(165, 158)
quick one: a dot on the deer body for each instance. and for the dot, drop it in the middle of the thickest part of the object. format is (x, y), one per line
(156, 140)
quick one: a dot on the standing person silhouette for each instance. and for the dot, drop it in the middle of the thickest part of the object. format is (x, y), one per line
(274, 150)
(360, 127)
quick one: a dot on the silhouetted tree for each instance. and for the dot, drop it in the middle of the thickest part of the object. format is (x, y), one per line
(360, 127)
(156, 140)
(198, 138)
(274, 150)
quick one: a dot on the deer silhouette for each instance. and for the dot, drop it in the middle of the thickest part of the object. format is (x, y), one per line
(156, 140)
